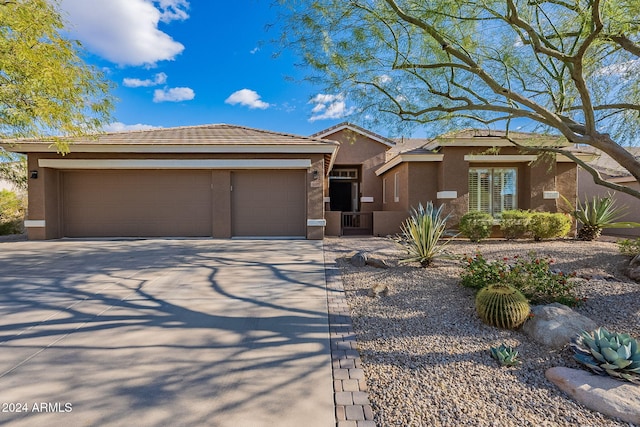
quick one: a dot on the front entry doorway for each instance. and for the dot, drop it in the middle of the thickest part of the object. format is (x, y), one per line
(343, 196)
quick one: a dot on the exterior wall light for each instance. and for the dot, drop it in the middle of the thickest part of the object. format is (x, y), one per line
(34, 174)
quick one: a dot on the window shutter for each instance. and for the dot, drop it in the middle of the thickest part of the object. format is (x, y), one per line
(480, 190)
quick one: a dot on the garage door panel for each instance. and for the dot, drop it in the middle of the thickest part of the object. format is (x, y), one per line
(269, 203)
(137, 203)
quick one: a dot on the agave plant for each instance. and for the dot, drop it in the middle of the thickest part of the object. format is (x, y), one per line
(505, 355)
(599, 213)
(610, 353)
(421, 234)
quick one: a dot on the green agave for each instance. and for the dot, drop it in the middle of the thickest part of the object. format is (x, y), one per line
(609, 353)
(505, 355)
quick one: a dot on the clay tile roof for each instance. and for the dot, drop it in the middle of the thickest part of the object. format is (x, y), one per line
(222, 134)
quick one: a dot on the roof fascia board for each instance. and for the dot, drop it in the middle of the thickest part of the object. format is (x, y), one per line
(584, 157)
(177, 148)
(486, 142)
(500, 158)
(403, 158)
(174, 164)
(339, 128)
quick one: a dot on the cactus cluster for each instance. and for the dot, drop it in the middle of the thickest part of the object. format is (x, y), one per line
(610, 353)
(505, 355)
(502, 306)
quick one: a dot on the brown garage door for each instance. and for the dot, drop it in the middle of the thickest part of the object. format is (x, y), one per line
(148, 203)
(269, 203)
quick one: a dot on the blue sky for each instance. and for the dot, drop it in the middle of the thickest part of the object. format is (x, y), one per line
(181, 63)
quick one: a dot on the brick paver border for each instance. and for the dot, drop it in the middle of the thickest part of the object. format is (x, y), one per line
(352, 406)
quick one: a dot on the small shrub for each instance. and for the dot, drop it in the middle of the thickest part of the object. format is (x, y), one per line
(12, 210)
(547, 225)
(479, 272)
(476, 225)
(534, 277)
(421, 233)
(531, 275)
(629, 247)
(514, 224)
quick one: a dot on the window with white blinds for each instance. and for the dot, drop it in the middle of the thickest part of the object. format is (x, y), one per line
(492, 190)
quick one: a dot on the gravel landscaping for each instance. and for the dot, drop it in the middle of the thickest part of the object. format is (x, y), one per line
(426, 353)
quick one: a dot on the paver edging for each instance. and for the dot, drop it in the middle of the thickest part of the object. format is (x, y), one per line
(352, 406)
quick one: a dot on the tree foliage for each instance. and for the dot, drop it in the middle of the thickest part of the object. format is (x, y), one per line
(46, 90)
(14, 170)
(568, 66)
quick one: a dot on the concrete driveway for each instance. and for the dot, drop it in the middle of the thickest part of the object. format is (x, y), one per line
(164, 332)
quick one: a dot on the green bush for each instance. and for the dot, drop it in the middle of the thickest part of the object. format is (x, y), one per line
(476, 225)
(547, 225)
(531, 275)
(421, 233)
(629, 247)
(12, 210)
(514, 224)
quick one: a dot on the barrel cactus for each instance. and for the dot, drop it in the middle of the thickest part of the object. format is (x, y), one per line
(610, 353)
(502, 306)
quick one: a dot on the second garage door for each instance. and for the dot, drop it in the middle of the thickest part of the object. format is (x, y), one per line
(145, 203)
(269, 203)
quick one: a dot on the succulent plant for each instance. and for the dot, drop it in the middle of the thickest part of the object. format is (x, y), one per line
(610, 353)
(505, 355)
(502, 306)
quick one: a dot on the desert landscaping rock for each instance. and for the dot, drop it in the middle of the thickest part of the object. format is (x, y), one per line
(425, 352)
(604, 394)
(359, 259)
(377, 263)
(555, 325)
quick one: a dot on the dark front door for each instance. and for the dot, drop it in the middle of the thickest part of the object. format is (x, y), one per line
(340, 194)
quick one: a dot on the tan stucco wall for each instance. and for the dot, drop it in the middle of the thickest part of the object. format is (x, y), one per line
(587, 189)
(388, 222)
(422, 183)
(453, 176)
(334, 219)
(45, 191)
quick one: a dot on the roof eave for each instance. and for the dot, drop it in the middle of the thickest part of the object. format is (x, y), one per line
(329, 147)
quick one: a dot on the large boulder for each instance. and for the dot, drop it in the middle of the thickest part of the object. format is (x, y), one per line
(554, 325)
(604, 394)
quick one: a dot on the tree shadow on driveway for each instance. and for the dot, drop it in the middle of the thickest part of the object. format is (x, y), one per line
(159, 331)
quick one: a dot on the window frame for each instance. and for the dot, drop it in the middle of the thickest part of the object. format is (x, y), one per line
(396, 187)
(500, 184)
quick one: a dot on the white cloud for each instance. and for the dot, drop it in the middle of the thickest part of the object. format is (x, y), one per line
(625, 70)
(383, 79)
(126, 31)
(254, 50)
(158, 79)
(174, 94)
(248, 98)
(173, 10)
(121, 127)
(329, 107)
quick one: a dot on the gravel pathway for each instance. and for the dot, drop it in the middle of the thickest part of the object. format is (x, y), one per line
(426, 353)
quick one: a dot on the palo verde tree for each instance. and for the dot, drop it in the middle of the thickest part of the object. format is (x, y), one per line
(46, 89)
(570, 67)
